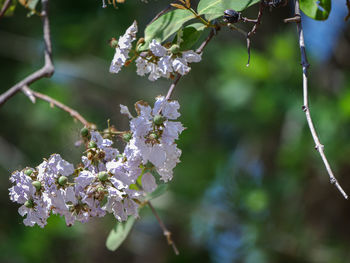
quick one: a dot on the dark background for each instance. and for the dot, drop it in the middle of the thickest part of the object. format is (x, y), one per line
(250, 187)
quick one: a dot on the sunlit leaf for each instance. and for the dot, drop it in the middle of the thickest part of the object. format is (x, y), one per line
(316, 9)
(119, 233)
(215, 8)
(166, 25)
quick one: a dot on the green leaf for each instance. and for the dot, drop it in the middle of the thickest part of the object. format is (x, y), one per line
(119, 233)
(316, 9)
(10, 10)
(31, 4)
(166, 25)
(161, 189)
(213, 9)
(189, 35)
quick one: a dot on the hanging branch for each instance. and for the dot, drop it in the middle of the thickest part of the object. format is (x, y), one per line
(166, 232)
(305, 65)
(4, 8)
(47, 70)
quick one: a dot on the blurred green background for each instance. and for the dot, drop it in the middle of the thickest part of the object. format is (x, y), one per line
(250, 187)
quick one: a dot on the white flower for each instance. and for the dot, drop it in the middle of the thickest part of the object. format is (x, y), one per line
(157, 49)
(180, 66)
(122, 50)
(165, 66)
(148, 182)
(190, 56)
(142, 66)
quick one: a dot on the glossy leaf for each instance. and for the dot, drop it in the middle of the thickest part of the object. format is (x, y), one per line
(31, 4)
(213, 9)
(189, 36)
(166, 25)
(119, 233)
(316, 9)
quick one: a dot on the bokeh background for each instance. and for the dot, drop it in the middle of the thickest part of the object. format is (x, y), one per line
(250, 187)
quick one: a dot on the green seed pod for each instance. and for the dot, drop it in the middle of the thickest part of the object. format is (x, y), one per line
(127, 137)
(174, 49)
(28, 172)
(153, 136)
(103, 176)
(63, 180)
(29, 204)
(37, 185)
(84, 132)
(92, 144)
(158, 120)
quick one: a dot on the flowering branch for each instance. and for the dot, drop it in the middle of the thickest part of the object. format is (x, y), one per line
(305, 65)
(5, 7)
(199, 50)
(33, 94)
(47, 70)
(166, 232)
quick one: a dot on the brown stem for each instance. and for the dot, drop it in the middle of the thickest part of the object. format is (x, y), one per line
(47, 70)
(5, 7)
(33, 94)
(166, 232)
(305, 65)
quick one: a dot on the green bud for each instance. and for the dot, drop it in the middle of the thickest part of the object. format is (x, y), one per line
(100, 190)
(29, 204)
(63, 180)
(28, 172)
(84, 132)
(174, 49)
(153, 136)
(127, 137)
(103, 176)
(37, 185)
(113, 43)
(92, 144)
(158, 120)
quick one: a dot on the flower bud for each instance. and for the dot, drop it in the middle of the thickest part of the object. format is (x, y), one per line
(37, 185)
(127, 136)
(90, 155)
(29, 204)
(113, 43)
(28, 172)
(158, 120)
(101, 155)
(63, 180)
(92, 144)
(103, 176)
(174, 49)
(84, 132)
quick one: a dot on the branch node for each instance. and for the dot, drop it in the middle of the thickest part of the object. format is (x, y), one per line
(294, 19)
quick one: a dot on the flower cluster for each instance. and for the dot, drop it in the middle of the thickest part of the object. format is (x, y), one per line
(157, 62)
(106, 181)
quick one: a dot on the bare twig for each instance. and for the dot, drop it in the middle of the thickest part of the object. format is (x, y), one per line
(166, 232)
(165, 10)
(47, 70)
(318, 146)
(33, 94)
(5, 7)
(348, 6)
(254, 29)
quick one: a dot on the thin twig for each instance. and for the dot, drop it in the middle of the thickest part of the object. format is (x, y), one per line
(165, 10)
(5, 7)
(348, 6)
(254, 29)
(318, 146)
(47, 70)
(56, 103)
(166, 232)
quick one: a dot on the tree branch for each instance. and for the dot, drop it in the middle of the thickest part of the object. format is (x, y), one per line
(47, 70)
(33, 94)
(166, 232)
(5, 7)
(318, 146)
